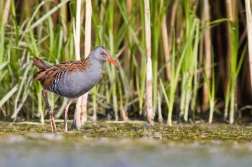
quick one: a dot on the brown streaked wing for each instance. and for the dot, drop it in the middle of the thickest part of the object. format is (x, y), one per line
(48, 75)
(74, 66)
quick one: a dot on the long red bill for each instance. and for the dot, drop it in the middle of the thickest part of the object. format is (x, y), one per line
(109, 59)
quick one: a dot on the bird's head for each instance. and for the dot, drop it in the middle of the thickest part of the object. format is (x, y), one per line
(102, 54)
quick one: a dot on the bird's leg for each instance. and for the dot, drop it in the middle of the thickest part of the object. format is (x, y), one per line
(66, 111)
(49, 111)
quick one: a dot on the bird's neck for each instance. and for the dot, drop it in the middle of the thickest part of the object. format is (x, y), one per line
(94, 63)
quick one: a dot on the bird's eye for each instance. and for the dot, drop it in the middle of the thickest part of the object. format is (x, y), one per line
(102, 53)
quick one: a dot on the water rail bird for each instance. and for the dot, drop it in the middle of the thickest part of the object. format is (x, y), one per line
(71, 79)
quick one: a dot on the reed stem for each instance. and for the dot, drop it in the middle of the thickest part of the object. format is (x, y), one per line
(79, 104)
(150, 114)
(249, 29)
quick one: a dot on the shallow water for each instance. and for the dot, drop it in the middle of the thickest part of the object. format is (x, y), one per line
(80, 148)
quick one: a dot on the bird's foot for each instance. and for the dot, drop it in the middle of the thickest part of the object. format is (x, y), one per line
(65, 125)
(52, 122)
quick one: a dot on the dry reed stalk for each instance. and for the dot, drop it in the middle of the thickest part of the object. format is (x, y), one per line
(166, 45)
(102, 14)
(167, 55)
(174, 18)
(123, 114)
(86, 52)
(80, 115)
(78, 110)
(150, 114)
(231, 6)
(55, 15)
(63, 19)
(160, 117)
(229, 15)
(207, 49)
(127, 53)
(6, 11)
(249, 30)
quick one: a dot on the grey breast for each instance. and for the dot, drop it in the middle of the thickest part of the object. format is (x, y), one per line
(78, 83)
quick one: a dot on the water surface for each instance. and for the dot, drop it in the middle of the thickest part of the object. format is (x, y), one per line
(22, 145)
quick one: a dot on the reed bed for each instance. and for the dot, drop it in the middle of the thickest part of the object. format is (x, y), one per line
(178, 60)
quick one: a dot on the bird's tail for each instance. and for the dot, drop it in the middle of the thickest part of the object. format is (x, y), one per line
(40, 63)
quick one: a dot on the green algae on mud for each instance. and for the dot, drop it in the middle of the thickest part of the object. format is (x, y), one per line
(178, 132)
